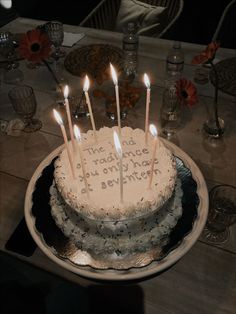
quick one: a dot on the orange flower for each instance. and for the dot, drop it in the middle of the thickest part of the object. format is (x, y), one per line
(207, 55)
(35, 46)
(186, 92)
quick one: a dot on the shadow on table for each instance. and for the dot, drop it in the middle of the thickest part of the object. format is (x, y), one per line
(27, 289)
(115, 299)
(67, 298)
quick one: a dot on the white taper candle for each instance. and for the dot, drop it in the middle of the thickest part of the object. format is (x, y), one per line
(78, 138)
(153, 131)
(86, 88)
(60, 122)
(115, 81)
(120, 155)
(148, 98)
(66, 93)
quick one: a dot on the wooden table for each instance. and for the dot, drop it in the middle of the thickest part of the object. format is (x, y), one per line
(204, 280)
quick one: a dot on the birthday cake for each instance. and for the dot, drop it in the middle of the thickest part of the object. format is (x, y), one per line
(95, 218)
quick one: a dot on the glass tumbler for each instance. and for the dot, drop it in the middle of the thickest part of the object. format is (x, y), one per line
(24, 103)
(11, 74)
(222, 214)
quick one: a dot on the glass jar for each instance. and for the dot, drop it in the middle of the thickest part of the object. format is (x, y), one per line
(170, 110)
(175, 60)
(130, 43)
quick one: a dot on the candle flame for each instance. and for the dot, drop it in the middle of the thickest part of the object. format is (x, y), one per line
(86, 83)
(66, 92)
(57, 117)
(77, 133)
(114, 75)
(153, 130)
(146, 80)
(117, 144)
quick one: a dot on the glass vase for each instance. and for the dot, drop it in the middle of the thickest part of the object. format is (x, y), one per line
(214, 126)
(170, 111)
(214, 129)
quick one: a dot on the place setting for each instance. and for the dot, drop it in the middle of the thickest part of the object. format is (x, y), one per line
(43, 47)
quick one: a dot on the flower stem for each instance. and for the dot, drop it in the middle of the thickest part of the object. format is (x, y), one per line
(216, 96)
(53, 74)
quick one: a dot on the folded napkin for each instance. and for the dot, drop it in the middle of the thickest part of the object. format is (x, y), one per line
(12, 128)
(70, 39)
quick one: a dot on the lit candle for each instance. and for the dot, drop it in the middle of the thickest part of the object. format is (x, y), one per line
(78, 138)
(66, 93)
(153, 131)
(147, 83)
(115, 81)
(119, 153)
(60, 122)
(86, 88)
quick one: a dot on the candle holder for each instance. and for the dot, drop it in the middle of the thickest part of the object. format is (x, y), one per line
(81, 108)
(111, 110)
(129, 96)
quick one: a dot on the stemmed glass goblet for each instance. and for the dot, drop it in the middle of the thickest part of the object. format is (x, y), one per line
(222, 214)
(24, 103)
(12, 74)
(55, 33)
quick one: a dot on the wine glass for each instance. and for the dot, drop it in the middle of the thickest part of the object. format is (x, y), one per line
(55, 33)
(222, 214)
(24, 103)
(12, 74)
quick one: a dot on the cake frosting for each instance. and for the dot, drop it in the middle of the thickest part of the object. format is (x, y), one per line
(120, 237)
(100, 222)
(102, 171)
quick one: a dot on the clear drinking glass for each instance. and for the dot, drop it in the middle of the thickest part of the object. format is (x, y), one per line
(24, 103)
(170, 111)
(12, 74)
(222, 214)
(55, 33)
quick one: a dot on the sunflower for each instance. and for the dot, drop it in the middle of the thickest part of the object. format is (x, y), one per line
(35, 46)
(207, 55)
(186, 92)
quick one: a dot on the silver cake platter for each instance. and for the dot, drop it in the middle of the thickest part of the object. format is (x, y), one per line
(137, 266)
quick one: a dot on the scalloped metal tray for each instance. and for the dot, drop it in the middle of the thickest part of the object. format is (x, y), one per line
(65, 253)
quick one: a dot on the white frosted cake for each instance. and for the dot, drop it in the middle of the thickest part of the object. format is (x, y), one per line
(99, 222)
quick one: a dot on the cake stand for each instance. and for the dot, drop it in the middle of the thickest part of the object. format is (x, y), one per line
(63, 252)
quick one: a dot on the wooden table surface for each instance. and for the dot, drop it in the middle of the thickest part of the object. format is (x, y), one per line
(204, 280)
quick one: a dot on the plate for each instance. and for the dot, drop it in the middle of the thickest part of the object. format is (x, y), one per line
(94, 60)
(62, 251)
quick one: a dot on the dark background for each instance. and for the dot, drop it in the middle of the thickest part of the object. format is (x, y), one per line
(197, 22)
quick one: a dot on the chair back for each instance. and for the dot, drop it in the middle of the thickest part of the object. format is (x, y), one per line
(105, 14)
(225, 19)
